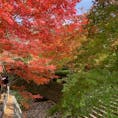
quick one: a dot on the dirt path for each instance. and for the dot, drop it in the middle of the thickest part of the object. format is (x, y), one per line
(9, 110)
(40, 110)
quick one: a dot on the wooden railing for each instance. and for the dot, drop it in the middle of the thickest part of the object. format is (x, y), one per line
(17, 110)
(10, 106)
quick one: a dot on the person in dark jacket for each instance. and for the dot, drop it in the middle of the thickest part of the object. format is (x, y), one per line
(5, 80)
(4, 84)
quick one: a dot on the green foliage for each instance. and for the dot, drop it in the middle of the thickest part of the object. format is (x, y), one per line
(83, 90)
(62, 72)
(102, 47)
(95, 77)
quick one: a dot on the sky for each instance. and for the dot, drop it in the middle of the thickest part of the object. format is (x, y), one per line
(84, 5)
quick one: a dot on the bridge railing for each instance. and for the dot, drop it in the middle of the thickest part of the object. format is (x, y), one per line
(10, 103)
(17, 110)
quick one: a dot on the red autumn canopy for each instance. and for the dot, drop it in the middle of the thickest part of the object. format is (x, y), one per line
(31, 31)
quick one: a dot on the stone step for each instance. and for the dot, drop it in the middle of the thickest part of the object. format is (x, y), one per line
(98, 111)
(114, 99)
(102, 111)
(85, 117)
(114, 103)
(92, 116)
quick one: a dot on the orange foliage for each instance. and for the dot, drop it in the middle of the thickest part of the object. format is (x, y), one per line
(33, 34)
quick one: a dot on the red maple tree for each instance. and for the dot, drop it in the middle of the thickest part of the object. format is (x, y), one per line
(32, 31)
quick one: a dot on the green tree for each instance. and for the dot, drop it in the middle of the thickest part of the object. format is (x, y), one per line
(96, 65)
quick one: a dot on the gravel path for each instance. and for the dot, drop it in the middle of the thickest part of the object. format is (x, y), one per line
(39, 110)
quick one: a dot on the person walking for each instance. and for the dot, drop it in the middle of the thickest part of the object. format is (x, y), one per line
(4, 85)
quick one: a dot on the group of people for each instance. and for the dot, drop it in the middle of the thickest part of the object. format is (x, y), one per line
(3, 83)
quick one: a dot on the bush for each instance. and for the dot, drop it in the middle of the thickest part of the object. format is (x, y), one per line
(83, 90)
